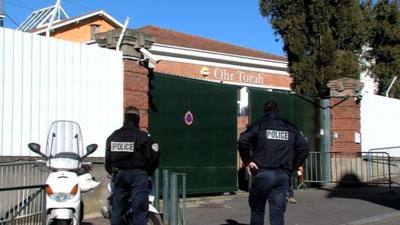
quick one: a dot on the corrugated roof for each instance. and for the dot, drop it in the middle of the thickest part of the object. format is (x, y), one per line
(174, 38)
(40, 17)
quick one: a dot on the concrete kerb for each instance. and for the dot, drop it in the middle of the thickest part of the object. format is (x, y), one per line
(381, 219)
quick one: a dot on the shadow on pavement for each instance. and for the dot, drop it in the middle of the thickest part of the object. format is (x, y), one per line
(352, 188)
(233, 222)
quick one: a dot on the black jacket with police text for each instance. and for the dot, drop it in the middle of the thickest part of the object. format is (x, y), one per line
(272, 142)
(131, 148)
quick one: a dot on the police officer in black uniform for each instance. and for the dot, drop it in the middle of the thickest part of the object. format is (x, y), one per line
(271, 148)
(131, 156)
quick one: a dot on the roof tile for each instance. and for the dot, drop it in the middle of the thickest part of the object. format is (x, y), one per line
(170, 37)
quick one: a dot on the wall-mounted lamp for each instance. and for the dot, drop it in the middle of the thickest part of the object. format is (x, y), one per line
(204, 71)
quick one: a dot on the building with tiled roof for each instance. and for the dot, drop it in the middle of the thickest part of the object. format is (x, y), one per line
(77, 29)
(170, 37)
(81, 28)
(188, 55)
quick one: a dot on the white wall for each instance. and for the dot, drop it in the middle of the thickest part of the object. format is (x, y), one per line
(380, 123)
(370, 85)
(45, 79)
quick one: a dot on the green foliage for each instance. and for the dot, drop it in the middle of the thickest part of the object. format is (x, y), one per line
(385, 45)
(323, 39)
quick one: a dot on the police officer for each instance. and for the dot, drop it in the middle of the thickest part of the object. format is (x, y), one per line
(131, 156)
(270, 148)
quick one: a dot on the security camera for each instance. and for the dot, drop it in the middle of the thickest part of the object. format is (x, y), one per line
(358, 98)
(152, 58)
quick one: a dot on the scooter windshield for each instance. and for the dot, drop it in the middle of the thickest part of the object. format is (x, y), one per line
(64, 145)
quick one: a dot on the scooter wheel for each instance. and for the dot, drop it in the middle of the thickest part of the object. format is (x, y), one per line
(153, 219)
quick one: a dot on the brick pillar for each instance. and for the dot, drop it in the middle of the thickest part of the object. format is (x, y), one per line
(136, 87)
(345, 114)
(136, 82)
(345, 124)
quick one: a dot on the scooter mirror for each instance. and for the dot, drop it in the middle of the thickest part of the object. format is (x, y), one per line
(34, 147)
(90, 149)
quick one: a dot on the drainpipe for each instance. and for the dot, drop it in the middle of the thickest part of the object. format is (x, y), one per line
(390, 86)
(326, 139)
(53, 16)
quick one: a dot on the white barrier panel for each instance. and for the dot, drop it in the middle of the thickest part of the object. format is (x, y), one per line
(44, 79)
(380, 123)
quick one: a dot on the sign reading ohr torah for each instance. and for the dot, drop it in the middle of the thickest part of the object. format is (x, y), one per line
(238, 75)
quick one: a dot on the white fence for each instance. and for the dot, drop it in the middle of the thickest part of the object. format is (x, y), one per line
(45, 79)
(380, 123)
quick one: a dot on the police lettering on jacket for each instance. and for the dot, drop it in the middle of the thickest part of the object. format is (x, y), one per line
(122, 146)
(277, 135)
(131, 148)
(272, 142)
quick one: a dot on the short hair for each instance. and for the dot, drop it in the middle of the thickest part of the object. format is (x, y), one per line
(132, 110)
(271, 106)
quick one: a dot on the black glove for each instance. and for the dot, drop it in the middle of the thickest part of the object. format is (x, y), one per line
(253, 171)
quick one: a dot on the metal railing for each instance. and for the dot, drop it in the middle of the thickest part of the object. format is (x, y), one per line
(21, 193)
(393, 151)
(14, 174)
(174, 198)
(349, 168)
(23, 205)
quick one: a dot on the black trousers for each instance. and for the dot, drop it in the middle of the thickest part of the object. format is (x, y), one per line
(133, 185)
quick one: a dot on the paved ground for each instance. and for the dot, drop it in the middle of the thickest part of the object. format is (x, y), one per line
(356, 206)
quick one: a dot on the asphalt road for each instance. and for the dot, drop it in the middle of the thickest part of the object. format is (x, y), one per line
(356, 206)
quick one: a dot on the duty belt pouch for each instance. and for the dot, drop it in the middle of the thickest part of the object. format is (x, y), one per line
(114, 173)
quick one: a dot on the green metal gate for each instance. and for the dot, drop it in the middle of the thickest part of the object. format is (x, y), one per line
(300, 110)
(303, 111)
(195, 124)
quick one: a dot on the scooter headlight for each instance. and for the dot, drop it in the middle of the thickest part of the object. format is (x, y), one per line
(62, 196)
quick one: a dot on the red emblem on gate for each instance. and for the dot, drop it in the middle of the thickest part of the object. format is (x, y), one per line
(189, 118)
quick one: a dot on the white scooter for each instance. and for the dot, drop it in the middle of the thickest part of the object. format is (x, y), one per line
(153, 216)
(68, 176)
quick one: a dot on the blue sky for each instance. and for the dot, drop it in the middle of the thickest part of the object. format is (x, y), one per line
(233, 21)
